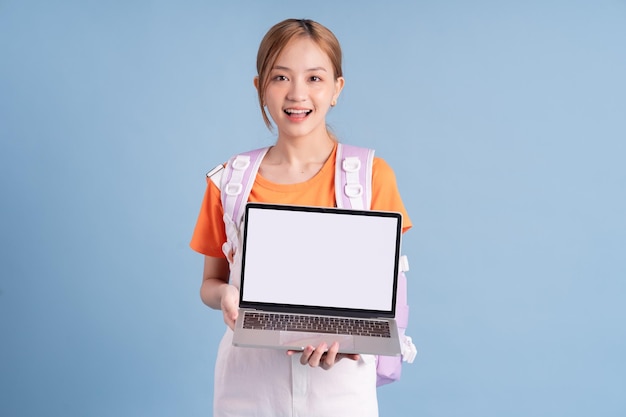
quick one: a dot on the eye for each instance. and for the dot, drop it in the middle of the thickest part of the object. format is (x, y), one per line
(279, 78)
(315, 78)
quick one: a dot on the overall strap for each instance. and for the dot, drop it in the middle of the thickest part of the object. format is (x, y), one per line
(237, 180)
(353, 179)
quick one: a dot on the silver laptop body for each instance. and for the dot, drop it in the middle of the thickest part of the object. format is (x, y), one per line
(316, 274)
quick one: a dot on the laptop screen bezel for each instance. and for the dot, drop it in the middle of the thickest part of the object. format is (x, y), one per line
(320, 310)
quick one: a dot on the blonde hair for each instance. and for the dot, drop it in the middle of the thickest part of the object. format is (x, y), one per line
(279, 36)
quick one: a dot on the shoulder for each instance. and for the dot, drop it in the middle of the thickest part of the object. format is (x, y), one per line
(382, 170)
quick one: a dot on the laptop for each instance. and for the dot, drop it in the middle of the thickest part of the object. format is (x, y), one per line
(316, 274)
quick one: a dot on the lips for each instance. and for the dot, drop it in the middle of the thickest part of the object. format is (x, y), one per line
(297, 113)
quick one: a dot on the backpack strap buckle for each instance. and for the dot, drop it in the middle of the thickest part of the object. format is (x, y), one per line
(351, 164)
(233, 189)
(353, 190)
(241, 163)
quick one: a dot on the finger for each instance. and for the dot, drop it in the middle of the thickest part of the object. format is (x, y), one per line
(230, 315)
(316, 356)
(306, 355)
(229, 321)
(331, 356)
(233, 314)
(230, 309)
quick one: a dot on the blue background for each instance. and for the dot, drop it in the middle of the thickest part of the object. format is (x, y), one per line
(504, 121)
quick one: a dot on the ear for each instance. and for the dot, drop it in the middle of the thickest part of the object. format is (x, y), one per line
(339, 83)
(256, 82)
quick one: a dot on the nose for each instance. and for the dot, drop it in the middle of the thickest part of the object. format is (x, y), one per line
(297, 90)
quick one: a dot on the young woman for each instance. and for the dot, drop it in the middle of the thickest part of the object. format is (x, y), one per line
(299, 80)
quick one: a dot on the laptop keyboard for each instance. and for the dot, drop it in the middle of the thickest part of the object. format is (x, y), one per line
(317, 324)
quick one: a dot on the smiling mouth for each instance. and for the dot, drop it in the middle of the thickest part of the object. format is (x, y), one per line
(297, 113)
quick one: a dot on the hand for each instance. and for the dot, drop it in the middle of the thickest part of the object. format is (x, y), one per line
(230, 305)
(323, 358)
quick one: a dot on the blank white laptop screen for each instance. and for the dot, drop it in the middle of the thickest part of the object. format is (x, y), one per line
(320, 259)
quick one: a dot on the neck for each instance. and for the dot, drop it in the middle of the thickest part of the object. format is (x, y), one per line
(303, 149)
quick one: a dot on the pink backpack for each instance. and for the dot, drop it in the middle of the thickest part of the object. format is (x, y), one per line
(353, 186)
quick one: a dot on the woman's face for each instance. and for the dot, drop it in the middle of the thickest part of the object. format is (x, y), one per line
(301, 88)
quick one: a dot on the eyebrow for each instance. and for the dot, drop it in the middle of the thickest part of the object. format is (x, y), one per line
(279, 67)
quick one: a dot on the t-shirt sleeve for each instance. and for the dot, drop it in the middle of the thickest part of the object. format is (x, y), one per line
(385, 193)
(209, 234)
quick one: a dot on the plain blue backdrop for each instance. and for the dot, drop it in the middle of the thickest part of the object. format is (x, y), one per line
(504, 121)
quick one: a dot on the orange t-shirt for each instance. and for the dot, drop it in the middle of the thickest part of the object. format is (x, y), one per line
(209, 234)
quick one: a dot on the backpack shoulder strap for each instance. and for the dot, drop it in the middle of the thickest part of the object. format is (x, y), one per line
(236, 181)
(353, 177)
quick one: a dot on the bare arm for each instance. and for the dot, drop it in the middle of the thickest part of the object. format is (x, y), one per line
(215, 291)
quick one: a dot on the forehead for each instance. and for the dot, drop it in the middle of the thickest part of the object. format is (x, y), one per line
(303, 53)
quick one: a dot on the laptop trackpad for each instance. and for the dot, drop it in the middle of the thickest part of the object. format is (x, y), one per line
(304, 339)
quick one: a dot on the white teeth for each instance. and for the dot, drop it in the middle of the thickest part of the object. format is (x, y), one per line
(293, 111)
